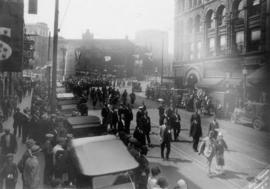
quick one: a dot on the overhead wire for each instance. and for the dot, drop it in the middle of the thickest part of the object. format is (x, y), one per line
(65, 14)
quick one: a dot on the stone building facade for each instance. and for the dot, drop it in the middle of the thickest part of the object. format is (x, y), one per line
(220, 42)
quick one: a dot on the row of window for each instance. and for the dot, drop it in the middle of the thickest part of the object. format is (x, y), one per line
(239, 5)
(220, 48)
(220, 18)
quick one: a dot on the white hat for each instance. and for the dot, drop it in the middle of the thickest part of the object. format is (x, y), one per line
(182, 184)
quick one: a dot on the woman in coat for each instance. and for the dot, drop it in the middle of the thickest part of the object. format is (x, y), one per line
(220, 148)
(208, 149)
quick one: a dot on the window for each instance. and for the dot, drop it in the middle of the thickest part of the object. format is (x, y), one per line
(255, 39)
(254, 7)
(256, 35)
(211, 46)
(240, 12)
(240, 41)
(210, 20)
(221, 15)
(222, 43)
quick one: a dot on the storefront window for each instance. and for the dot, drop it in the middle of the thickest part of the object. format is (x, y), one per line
(240, 41)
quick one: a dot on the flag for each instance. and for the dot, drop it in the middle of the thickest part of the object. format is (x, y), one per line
(11, 36)
(107, 58)
(32, 6)
(5, 31)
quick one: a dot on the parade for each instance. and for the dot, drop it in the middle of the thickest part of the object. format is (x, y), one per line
(134, 94)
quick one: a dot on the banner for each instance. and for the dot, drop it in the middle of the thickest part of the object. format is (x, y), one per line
(32, 6)
(11, 36)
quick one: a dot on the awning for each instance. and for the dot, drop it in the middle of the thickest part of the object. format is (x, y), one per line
(230, 83)
(102, 155)
(209, 83)
(260, 78)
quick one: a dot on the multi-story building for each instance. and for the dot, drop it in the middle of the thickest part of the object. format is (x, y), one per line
(39, 33)
(218, 43)
(155, 41)
(111, 56)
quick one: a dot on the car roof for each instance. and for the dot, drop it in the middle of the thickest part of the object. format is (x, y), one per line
(83, 120)
(64, 95)
(102, 155)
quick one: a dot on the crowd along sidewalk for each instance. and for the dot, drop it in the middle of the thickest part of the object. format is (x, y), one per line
(26, 102)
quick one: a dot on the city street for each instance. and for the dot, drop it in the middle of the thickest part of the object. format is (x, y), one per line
(247, 156)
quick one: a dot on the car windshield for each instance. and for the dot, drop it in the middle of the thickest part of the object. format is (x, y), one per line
(119, 181)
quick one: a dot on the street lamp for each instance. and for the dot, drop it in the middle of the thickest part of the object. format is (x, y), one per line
(244, 72)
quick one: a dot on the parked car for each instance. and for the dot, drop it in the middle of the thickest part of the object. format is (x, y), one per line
(136, 86)
(85, 126)
(102, 162)
(256, 114)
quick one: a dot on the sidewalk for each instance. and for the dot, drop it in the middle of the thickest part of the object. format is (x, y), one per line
(26, 102)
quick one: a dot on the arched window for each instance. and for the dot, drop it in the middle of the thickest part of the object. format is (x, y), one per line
(198, 24)
(239, 9)
(254, 7)
(221, 15)
(210, 20)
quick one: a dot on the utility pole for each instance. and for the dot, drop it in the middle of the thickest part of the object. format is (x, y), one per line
(49, 47)
(48, 69)
(54, 66)
(162, 54)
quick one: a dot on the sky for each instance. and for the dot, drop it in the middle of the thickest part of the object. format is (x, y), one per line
(106, 18)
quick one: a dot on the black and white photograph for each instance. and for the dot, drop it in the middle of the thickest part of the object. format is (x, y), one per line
(134, 94)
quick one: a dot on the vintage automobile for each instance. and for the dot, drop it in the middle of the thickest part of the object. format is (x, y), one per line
(136, 86)
(102, 162)
(84, 126)
(67, 110)
(253, 113)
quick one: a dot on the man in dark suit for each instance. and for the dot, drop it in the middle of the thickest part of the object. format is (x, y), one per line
(128, 118)
(195, 129)
(17, 122)
(8, 142)
(121, 123)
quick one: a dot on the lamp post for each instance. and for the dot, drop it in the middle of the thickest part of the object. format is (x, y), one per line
(54, 66)
(244, 72)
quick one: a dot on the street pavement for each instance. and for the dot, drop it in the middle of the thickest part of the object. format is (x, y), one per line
(248, 154)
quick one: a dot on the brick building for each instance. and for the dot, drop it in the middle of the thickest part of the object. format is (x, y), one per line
(219, 43)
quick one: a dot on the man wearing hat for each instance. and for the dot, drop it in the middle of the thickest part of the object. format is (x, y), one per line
(181, 184)
(8, 142)
(25, 122)
(58, 157)
(9, 172)
(48, 154)
(31, 171)
(29, 144)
